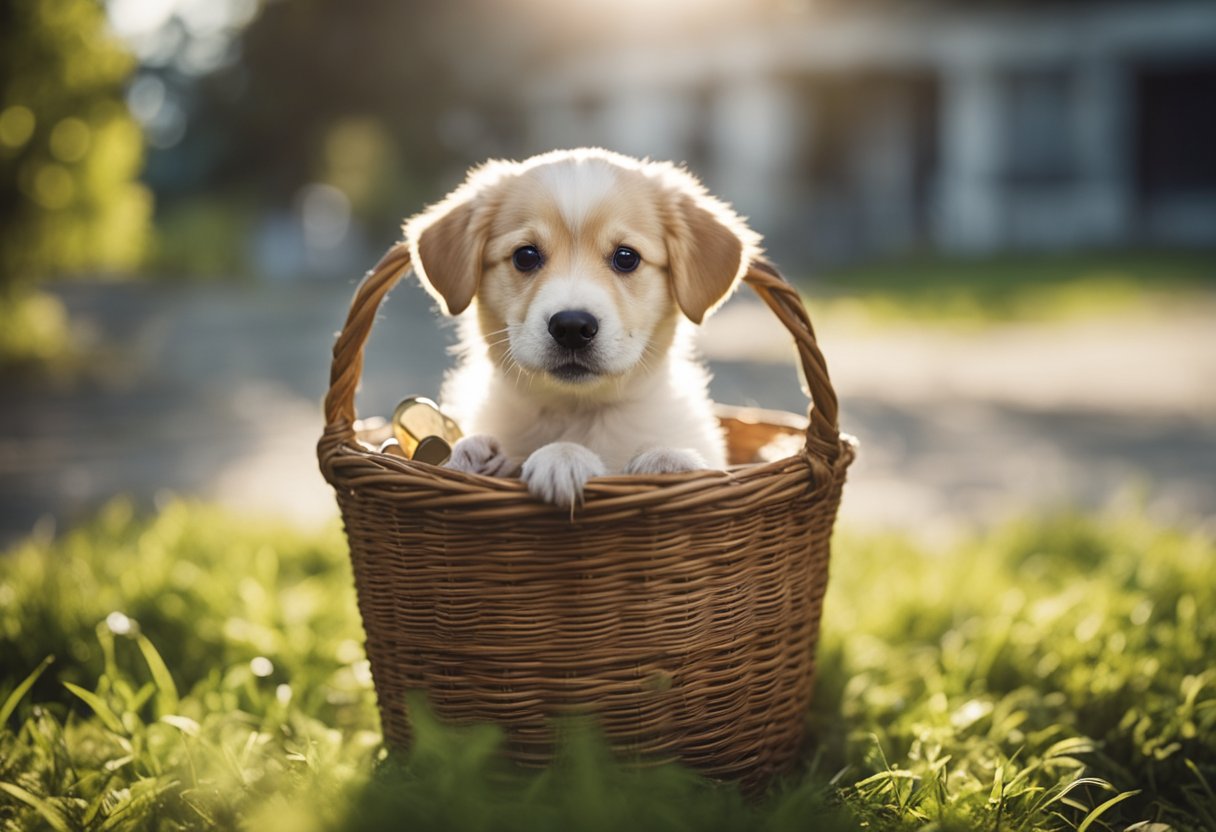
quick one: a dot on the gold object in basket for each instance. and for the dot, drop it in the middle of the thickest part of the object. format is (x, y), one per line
(433, 450)
(417, 418)
(392, 446)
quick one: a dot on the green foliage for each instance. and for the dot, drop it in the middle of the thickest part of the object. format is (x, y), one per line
(206, 237)
(69, 151)
(208, 675)
(1051, 650)
(33, 330)
(1017, 287)
(363, 108)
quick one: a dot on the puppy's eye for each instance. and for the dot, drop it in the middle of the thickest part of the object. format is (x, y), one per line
(625, 259)
(526, 259)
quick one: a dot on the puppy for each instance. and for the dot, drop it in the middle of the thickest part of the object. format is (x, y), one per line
(576, 274)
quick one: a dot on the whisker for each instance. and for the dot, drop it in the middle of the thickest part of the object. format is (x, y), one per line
(647, 352)
(513, 364)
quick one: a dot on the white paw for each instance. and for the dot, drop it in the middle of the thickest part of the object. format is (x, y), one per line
(557, 472)
(665, 461)
(481, 454)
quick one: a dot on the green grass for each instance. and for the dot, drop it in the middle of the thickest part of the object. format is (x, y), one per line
(208, 674)
(1017, 287)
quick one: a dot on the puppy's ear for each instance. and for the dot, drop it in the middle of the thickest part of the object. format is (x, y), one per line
(710, 249)
(446, 245)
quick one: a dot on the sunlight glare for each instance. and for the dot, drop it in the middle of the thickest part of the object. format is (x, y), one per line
(639, 18)
(135, 18)
(119, 624)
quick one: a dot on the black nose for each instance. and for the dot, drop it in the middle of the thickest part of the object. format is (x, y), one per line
(573, 330)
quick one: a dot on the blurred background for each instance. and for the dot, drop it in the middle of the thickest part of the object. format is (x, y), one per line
(1003, 215)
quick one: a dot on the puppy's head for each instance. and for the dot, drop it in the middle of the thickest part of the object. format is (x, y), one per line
(581, 262)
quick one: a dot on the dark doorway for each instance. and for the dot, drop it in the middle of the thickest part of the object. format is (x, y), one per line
(1176, 131)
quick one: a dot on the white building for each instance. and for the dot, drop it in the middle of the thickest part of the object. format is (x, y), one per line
(963, 127)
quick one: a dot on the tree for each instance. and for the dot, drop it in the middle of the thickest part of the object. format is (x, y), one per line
(70, 153)
(357, 95)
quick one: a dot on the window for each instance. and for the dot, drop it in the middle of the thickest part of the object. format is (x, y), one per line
(1039, 136)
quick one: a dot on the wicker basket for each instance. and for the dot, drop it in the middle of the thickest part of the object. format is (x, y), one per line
(681, 610)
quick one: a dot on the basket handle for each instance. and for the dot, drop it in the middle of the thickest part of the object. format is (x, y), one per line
(822, 433)
(822, 430)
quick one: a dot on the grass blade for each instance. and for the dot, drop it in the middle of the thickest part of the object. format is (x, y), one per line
(182, 723)
(136, 809)
(38, 805)
(1097, 812)
(1061, 795)
(19, 692)
(886, 776)
(166, 690)
(1189, 764)
(1069, 747)
(998, 778)
(99, 707)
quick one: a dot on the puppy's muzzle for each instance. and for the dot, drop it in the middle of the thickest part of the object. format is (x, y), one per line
(573, 329)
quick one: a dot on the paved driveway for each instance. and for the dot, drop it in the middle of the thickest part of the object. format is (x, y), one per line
(214, 390)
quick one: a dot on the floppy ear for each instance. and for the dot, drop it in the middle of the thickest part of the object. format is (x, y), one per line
(446, 245)
(710, 249)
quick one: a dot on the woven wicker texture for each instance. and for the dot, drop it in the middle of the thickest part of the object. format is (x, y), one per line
(681, 610)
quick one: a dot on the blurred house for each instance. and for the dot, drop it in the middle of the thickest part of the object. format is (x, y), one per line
(860, 129)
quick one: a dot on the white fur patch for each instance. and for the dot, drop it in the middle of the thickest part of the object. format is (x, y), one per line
(578, 188)
(572, 291)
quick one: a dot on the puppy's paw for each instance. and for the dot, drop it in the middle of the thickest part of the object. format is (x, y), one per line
(557, 472)
(481, 454)
(665, 461)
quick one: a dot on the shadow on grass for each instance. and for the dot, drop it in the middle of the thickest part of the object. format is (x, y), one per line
(454, 778)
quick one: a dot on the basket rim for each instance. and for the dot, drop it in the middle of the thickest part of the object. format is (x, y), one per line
(353, 469)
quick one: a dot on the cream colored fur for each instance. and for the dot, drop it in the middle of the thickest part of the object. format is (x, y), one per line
(642, 406)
